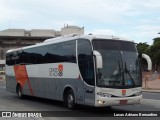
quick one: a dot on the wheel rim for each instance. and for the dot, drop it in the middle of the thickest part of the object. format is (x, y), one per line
(70, 101)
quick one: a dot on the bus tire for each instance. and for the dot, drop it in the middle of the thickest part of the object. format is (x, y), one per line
(70, 99)
(19, 91)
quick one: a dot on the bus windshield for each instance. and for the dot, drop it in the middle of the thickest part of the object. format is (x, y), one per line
(121, 68)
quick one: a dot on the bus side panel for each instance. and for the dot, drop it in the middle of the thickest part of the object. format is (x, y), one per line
(41, 87)
(89, 95)
(26, 89)
(38, 86)
(11, 84)
(58, 89)
(49, 88)
(80, 99)
(10, 79)
(42, 82)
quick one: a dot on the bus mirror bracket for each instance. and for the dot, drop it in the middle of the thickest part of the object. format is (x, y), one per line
(148, 59)
(98, 56)
(140, 55)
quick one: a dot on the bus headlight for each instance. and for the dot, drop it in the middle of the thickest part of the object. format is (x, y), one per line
(103, 94)
(100, 102)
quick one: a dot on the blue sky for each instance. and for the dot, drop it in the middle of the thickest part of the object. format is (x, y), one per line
(138, 20)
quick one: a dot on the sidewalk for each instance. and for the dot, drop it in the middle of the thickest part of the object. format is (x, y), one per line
(150, 90)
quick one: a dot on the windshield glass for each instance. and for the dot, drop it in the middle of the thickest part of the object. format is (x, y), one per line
(120, 64)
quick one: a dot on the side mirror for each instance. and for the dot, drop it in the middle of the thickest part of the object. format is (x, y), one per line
(99, 62)
(149, 62)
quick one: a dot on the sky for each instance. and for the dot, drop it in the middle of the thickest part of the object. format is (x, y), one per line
(138, 20)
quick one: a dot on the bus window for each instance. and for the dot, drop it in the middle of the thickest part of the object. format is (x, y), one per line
(53, 54)
(69, 51)
(11, 58)
(85, 61)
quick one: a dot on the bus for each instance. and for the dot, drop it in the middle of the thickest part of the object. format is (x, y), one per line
(93, 70)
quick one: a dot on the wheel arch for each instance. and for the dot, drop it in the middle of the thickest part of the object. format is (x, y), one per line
(66, 89)
(18, 84)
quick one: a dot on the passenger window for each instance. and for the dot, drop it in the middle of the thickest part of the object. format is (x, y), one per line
(54, 53)
(69, 51)
(10, 59)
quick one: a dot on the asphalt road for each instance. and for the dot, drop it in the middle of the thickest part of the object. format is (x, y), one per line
(10, 102)
(151, 95)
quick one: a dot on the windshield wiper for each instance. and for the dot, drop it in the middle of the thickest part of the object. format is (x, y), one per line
(122, 72)
(127, 71)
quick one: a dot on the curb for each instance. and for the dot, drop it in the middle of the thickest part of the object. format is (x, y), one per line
(151, 90)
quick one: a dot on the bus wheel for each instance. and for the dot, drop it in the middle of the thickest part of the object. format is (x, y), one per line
(70, 99)
(19, 91)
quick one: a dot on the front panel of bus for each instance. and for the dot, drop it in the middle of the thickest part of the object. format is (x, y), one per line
(118, 82)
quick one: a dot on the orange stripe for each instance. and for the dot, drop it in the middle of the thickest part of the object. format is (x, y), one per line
(22, 76)
(29, 84)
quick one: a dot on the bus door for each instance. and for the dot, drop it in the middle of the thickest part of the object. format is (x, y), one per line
(86, 67)
(89, 87)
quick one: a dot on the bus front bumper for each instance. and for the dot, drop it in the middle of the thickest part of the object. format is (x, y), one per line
(105, 101)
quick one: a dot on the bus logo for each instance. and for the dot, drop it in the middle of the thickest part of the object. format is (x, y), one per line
(56, 72)
(60, 69)
(123, 92)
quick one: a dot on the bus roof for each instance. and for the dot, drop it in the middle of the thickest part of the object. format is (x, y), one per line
(72, 37)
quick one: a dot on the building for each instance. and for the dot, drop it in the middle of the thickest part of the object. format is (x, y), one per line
(16, 38)
(72, 29)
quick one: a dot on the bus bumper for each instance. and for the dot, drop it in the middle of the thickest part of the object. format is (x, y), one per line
(105, 101)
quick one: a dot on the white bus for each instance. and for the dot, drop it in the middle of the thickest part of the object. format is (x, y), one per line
(77, 69)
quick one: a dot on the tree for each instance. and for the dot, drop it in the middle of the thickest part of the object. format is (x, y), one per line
(142, 47)
(155, 52)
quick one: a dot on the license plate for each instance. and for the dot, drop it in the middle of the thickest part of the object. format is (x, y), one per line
(123, 102)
